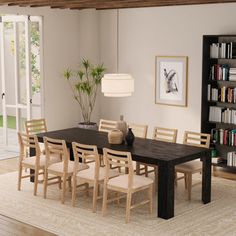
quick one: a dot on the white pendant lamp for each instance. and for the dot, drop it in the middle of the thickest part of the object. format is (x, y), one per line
(117, 85)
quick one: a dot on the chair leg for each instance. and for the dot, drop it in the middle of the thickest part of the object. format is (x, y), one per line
(63, 189)
(146, 170)
(128, 206)
(45, 183)
(59, 184)
(95, 196)
(176, 179)
(104, 203)
(137, 168)
(186, 181)
(36, 179)
(70, 185)
(74, 184)
(189, 186)
(150, 198)
(19, 177)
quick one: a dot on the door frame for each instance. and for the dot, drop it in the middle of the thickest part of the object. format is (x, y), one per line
(17, 106)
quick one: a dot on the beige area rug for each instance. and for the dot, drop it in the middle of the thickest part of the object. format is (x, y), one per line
(191, 218)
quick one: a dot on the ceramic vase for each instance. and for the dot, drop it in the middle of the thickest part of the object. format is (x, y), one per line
(129, 138)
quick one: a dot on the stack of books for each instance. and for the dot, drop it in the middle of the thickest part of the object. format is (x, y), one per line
(232, 74)
(215, 114)
(231, 159)
(221, 114)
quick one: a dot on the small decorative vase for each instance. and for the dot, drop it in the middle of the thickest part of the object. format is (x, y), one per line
(115, 136)
(122, 126)
(129, 138)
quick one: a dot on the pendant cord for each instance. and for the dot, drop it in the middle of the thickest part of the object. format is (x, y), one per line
(117, 41)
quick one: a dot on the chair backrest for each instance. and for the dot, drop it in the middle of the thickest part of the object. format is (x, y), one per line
(165, 134)
(118, 159)
(139, 130)
(28, 141)
(56, 147)
(196, 139)
(88, 153)
(107, 125)
(35, 126)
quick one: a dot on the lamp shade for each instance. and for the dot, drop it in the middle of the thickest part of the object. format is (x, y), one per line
(117, 85)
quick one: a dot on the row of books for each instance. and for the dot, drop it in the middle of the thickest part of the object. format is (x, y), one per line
(222, 115)
(224, 136)
(223, 50)
(222, 94)
(219, 72)
(232, 74)
(231, 159)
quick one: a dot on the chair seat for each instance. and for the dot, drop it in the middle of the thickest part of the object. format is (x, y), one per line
(190, 166)
(90, 173)
(58, 167)
(122, 182)
(31, 161)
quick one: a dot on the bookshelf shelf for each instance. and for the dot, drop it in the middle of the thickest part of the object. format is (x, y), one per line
(209, 68)
(225, 125)
(224, 165)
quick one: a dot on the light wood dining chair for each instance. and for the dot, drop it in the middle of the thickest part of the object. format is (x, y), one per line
(165, 135)
(36, 163)
(62, 170)
(94, 175)
(107, 125)
(124, 183)
(36, 126)
(140, 131)
(192, 167)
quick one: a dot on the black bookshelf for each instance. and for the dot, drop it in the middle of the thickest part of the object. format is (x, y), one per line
(207, 63)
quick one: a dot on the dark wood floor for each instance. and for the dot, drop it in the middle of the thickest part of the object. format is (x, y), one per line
(10, 227)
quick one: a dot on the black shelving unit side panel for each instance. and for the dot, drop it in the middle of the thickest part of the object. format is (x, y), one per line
(206, 65)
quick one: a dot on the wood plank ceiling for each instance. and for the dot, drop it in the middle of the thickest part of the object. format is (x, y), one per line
(106, 4)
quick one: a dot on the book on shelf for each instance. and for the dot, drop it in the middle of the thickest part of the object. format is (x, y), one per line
(224, 136)
(219, 72)
(221, 94)
(231, 159)
(224, 50)
(215, 113)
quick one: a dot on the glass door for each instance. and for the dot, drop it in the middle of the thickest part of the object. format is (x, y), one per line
(21, 74)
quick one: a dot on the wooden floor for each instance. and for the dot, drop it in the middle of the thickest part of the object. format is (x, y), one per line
(10, 227)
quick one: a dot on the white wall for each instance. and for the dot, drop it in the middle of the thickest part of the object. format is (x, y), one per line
(148, 32)
(89, 45)
(61, 49)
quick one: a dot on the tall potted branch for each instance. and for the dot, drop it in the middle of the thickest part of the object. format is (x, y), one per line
(84, 84)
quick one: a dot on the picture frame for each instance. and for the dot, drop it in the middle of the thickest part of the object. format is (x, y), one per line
(171, 80)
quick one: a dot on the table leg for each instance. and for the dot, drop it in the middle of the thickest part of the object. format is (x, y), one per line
(166, 177)
(32, 153)
(206, 179)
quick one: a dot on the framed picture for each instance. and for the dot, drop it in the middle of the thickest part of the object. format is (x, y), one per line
(171, 80)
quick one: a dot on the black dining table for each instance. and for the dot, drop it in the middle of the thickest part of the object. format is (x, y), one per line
(164, 155)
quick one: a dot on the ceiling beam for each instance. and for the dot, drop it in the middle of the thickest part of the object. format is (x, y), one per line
(106, 4)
